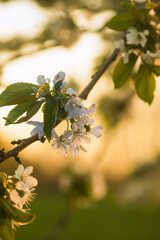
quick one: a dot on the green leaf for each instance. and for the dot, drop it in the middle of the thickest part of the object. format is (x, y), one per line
(150, 5)
(43, 90)
(145, 83)
(6, 230)
(3, 182)
(16, 214)
(126, 5)
(18, 93)
(32, 110)
(17, 111)
(122, 71)
(156, 70)
(122, 22)
(58, 85)
(50, 115)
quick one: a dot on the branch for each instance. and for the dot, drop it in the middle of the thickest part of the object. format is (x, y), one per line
(15, 151)
(98, 74)
(22, 144)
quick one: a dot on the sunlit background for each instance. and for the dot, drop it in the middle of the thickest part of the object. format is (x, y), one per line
(112, 191)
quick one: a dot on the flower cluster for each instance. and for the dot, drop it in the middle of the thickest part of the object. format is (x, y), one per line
(135, 42)
(80, 122)
(79, 119)
(20, 187)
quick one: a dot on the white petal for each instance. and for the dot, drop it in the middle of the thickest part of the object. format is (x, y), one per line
(96, 131)
(41, 80)
(63, 150)
(36, 123)
(28, 171)
(92, 108)
(86, 139)
(71, 91)
(14, 196)
(19, 171)
(126, 58)
(120, 45)
(63, 85)
(74, 151)
(31, 181)
(38, 129)
(59, 77)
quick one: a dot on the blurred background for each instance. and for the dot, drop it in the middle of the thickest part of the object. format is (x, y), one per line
(112, 191)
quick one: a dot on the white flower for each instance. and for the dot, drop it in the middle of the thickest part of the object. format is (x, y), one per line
(18, 200)
(84, 120)
(76, 139)
(41, 80)
(24, 187)
(135, 37)
(75, 108)
(61, 143)
(71, 91)
(38, 128)
(149, 57)
(60, 77)
(26, 181)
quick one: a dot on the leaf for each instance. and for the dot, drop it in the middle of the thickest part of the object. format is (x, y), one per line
(122, 71)
(32, 110)
(151, 5)
(17, 93)
(3, 183)
(122, 22)
(145, 84)
(58, 85)
(126, 5)
(156, 70)
(6, 230)
(16, 214)
(43, 90)
(17, 111)
(50, 115)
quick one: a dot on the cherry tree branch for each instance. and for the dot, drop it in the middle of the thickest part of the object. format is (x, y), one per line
(98, 74)
(22, 144)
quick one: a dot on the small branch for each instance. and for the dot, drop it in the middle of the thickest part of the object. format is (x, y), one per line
(22, 144)
(15, 151)
(98, 74)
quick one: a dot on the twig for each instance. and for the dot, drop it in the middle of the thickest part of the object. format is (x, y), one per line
(15, 151)
(22, 144)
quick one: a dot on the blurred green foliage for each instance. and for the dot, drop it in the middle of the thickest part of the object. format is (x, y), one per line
(104, 220)
(112, 107)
